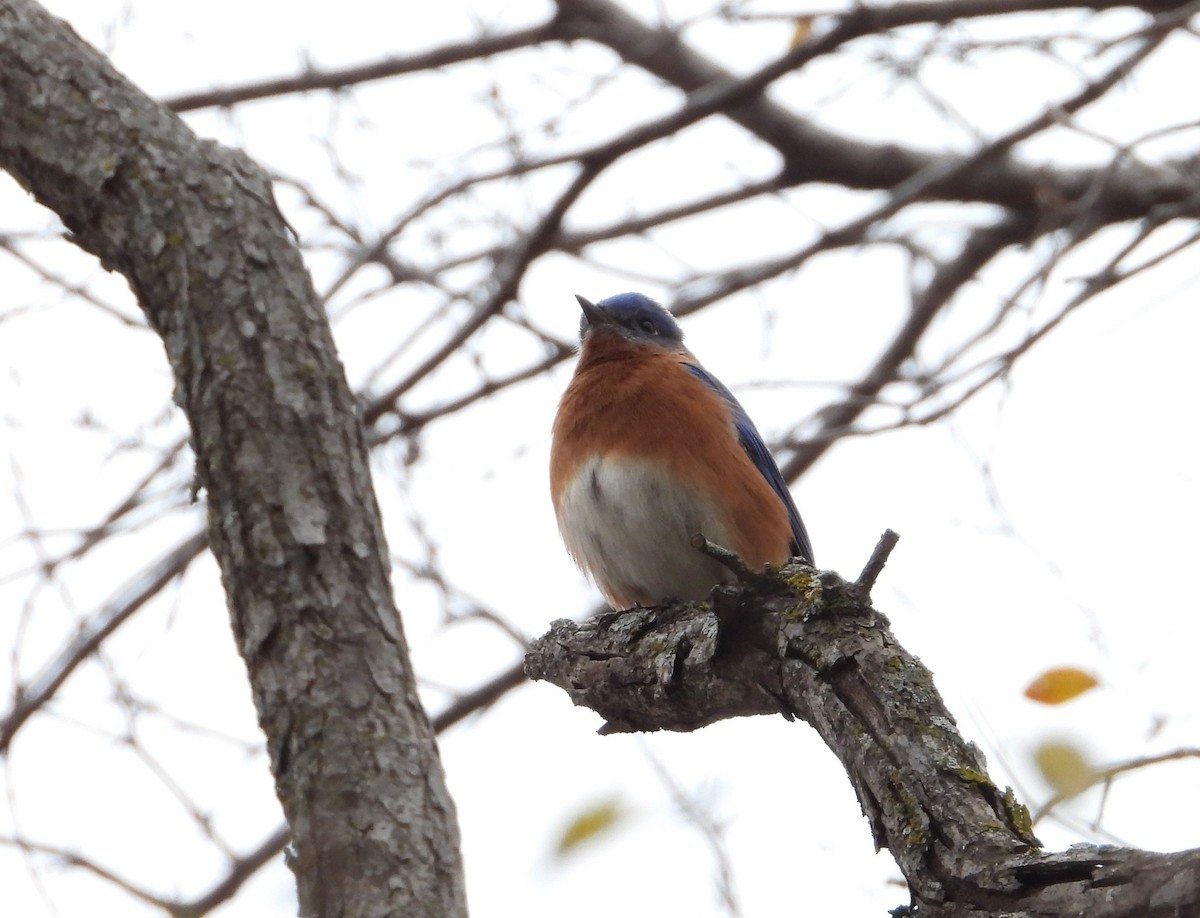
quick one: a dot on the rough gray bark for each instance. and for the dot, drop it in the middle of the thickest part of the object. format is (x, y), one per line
(279, 452)
(809, 645)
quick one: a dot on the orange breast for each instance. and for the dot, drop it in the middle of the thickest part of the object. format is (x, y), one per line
(638, 401)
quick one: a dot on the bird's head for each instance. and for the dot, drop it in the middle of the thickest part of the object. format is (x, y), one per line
(632, 316)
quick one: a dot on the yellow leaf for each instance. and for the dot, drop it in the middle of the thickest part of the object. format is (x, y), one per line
(588, 824)
(1055, 686)
(1064, 766)
(802, 32)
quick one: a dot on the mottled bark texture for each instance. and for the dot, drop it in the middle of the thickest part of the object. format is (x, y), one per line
(809, 645)
(279, 453)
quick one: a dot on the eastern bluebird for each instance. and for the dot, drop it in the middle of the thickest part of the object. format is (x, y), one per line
(648, 451)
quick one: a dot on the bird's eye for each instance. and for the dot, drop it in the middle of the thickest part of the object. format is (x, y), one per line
(647, 326)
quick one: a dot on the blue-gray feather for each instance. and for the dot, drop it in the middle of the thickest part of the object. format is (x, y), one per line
(754, 447)
(639, 318)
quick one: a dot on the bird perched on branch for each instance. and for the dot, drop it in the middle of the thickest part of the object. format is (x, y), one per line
(650, 450)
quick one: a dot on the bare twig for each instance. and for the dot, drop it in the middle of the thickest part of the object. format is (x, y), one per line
(479, 47)
(30, 698)
(726, 557)
(874, 566)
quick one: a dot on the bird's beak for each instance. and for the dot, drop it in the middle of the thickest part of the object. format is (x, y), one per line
(594, 314)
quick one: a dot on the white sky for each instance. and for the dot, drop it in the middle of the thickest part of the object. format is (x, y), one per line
(1084, 557)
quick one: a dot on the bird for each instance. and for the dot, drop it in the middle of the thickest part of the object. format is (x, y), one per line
(649, 450)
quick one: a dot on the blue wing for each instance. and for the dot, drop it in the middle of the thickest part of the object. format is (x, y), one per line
(752, 443)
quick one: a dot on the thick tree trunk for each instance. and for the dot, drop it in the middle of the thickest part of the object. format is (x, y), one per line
(279, 453)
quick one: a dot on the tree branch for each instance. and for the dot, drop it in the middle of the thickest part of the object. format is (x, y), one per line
(31, 698)
(981, 247)
(811, 646)
(474, 49)
(815, 154)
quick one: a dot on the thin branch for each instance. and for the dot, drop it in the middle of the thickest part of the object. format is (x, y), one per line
(998, 365)
(1106, 776)
(241, 870)
(477, 48)
(874, 566)
(31, 698)
(73, 859)
(508, 278)
(982, 246)
(712, 831)
(881, 18)
(944, 12)
(814, 154)
(70, 288)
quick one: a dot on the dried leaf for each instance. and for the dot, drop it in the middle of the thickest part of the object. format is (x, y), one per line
(1064, 766)
(588, 824)
(1055, 686)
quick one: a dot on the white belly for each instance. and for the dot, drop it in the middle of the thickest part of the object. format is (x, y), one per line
(630, 528)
